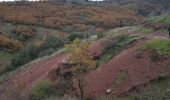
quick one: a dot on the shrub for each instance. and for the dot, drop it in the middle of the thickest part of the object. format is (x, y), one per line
(23, 32)
(41, 90)
(9, 43)
(73, 36)
(52, 42)
(24, 56)
(46, 52)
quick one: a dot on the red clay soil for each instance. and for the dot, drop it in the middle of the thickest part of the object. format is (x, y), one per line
(139, 71)
(31, 74)
(97, 47)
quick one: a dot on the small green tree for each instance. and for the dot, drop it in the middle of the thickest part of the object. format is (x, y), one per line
(81, 61)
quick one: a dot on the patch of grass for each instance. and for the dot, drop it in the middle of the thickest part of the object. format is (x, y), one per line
(5, 59)
(104, 58)
(159, 45)
(163, 30)
(5, 55)
(144, 30)
(59, 98)
(118, 44)
(121, 77)
(160, 19)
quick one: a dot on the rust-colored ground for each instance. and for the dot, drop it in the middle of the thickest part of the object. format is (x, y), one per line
(139, 71)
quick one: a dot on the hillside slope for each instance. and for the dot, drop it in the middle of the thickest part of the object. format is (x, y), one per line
(122, 73)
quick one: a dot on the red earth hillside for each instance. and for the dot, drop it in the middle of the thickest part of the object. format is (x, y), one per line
(137, 71)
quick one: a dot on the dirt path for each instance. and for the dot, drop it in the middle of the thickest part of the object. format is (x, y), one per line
(31, 74)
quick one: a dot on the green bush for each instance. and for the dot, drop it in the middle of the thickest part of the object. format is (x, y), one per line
(73, 36)
(46, 52)
(24, 56)
(41, 90)
(52, 42)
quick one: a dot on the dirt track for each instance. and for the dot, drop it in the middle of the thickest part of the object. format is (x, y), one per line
(31, 74)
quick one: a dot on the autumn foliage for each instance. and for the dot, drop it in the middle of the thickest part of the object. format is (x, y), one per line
(80, 57)
(9, 43)
(81, 61)
(59, 16)
(23, 32)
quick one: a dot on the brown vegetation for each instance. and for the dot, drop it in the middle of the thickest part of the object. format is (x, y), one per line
(9, 43)
(25, 32)
(59, 16)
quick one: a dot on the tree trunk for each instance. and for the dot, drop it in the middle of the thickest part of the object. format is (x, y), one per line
(81, 87)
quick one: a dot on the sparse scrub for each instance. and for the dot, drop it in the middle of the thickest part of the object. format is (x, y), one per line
(118, 43)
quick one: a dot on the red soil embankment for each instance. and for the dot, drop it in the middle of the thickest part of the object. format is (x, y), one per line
(139, 71)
